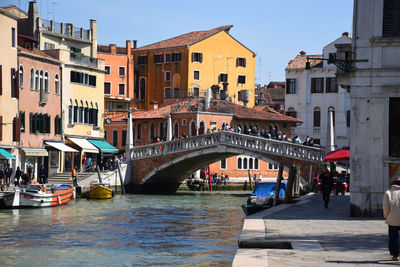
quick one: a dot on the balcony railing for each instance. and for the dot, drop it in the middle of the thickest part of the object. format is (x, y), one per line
(185, 93)
(65, 29)
(43, 98)
(84, 60)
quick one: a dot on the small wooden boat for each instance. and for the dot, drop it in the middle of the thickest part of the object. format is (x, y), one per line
(100, 191)
(37, 196)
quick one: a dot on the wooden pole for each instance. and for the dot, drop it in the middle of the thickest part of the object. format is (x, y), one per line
(289, 185)
(99, 174)
(120, 178)
(249, 172)
(278, 184)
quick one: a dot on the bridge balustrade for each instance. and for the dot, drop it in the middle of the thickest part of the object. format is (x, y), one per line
(248, 142)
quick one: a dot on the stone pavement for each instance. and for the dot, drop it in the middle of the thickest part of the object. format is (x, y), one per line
(307, 234)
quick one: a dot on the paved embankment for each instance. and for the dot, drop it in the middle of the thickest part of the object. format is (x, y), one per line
(307, 234)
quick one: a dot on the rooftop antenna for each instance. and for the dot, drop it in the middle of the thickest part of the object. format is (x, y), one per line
(54, 3)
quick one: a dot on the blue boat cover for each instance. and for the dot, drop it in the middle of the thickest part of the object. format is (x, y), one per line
(267, 189)
(62, 186)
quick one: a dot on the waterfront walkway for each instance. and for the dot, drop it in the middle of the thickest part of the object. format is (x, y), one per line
(307, 234)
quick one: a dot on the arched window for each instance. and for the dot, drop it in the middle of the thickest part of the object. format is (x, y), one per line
(176, 130)
(56, 85)
(139, 131)
(202, 127)
(152, 132)
(193, 130)
(256, 164)
(142, 87)
(37, 80)
(32, 84)
(21, 76)
(239, 163)
(245, 163)
(317, 117)
(41, 85)
(250, 163)
(161, 130)
(46, 82)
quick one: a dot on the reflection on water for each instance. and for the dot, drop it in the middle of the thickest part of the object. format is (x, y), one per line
(124, 231)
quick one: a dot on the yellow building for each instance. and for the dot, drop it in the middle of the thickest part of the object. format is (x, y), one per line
(186, 65)
(8, 87)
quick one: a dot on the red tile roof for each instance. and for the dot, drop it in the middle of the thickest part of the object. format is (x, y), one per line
(300, 62)
(216, 106)
(184, 39)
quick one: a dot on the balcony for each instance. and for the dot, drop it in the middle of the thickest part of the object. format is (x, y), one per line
(191, 93)
(43, 98)
(66, 29)
(84, 60)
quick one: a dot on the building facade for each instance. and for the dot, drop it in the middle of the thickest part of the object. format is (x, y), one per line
(373, 78)
(311, 92)
(9, 137)
(189, 64)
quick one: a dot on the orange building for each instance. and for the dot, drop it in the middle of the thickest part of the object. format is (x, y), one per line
(118, 91)
(192, 117)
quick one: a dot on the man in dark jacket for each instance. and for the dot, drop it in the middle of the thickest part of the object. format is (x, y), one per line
(326, 185)
(42, 175)
(8, 171)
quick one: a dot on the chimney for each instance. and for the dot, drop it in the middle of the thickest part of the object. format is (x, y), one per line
(153, 105)
(128, 45)
(302, 53)
(113, 48)
(93, 30)
(33, 14)
(345, 34)
(134, 44)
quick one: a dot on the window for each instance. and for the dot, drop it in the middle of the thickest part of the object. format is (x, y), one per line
(39, 123)
(57, 125)
(80, 114)
(21, 76)
(167, 92)
(158, 59)
(139, 132)
(273, 166)
(46, 82)
(255, 164)
(75, 113)
(317, 117)
(196, 91)
(223, 164)
(196, 75)
(167, 58)
(121, 89)
(92, 80)
(86, 115)
(121, 71)
(184, 122)
(245, 163)
(239, 163)
(124, 137)
(348, 118)
(391, 18)
(241, 62)
(13, 37)
(41, 85)
(32, 81)
(37, 80)
(142, 87)
(152, 132)
(108, 70)
(142, 60)
(291, 86)
(331, 85)
(197, 57)
(241, 79)
(394, 130)
(107, 88)
(48, 46)
(176, 92)
(56, 85)
(70, 111)
(251, 163)
(14, 83)
(223, 78)
(331, 58)
(176, 57)
(291, 112)
(317, 85)
(22, 117)
(83, 78)
(115, 138)
(167, 76)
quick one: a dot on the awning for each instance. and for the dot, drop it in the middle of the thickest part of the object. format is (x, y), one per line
(61, 146)
(338, 155)
(5, 154)
(35, 152)
(104, 146)
(84, 144)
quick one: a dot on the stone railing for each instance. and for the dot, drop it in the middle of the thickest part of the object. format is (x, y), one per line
(246, 142)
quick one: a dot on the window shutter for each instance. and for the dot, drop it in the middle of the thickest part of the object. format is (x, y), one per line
(1, 128)
(312, 85)
(287, 86)
(201, 57)
(17, 129)
(244, 62)
(192, 56)
(1, 79)
(237, 62)
(294, 86)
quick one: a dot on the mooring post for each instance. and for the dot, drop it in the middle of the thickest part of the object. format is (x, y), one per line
(289, 185)
(278, 184)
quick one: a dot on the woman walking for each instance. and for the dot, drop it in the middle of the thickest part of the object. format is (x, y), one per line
(391, 211)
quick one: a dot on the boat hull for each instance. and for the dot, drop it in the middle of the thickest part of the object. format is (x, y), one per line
(25, 198)
(100, 192)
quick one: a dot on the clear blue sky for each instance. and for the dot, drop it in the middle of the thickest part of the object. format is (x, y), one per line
(276, 30)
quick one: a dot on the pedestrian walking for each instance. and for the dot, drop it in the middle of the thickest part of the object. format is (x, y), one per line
(8, 171)
(326, 186)
(391, 211)
(74, 181)
(18, 174)
(42, 175)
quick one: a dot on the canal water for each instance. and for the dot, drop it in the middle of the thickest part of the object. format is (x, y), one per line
(128, 230)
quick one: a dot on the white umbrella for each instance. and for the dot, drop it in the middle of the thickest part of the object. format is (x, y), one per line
(169, 128)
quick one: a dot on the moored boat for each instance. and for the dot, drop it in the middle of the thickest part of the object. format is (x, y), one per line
(38, 196)
(100, 191)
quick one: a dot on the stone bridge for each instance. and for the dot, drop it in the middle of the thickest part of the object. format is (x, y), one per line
(162, 167)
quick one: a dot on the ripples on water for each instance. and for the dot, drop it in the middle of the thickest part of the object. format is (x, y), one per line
(128, 230)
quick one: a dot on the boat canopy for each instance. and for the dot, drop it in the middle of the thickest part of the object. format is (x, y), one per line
(5, 154)
(267, 189)
(104, 146)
